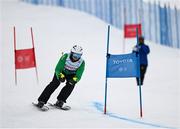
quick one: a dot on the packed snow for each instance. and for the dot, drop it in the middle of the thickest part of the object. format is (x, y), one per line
(56, 30)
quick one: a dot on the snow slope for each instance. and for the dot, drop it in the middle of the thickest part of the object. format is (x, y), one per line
(55, 31)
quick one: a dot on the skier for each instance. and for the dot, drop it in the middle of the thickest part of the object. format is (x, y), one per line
(143, 51)
(70, 69)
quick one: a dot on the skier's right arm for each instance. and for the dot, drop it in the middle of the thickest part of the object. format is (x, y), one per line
(60, 65)
(136, 48)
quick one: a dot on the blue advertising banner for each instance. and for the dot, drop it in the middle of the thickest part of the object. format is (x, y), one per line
(125, 65)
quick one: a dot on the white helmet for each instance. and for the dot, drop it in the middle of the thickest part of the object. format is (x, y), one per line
(77, 49)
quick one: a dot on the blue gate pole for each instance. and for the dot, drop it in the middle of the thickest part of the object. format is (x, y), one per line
(138, 65)
(105, 98)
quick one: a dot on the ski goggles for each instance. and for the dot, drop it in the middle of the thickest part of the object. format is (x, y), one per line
(76, 55)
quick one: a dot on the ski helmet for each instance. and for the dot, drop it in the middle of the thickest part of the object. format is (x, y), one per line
(76, 52)
(77, 49)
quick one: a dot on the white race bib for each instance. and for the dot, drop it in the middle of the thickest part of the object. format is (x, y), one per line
(72, 66)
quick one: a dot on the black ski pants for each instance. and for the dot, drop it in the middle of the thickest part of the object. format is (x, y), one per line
(53, 85)
(142, 72)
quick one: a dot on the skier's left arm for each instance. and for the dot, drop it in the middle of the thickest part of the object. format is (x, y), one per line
(79, 72)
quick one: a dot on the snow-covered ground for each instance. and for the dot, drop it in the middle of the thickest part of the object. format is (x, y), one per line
(55, 31)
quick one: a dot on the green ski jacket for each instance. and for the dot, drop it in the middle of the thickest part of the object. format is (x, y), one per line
(64, 65)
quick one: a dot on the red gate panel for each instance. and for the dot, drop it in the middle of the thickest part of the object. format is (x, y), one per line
(130, 30)
(25, 58)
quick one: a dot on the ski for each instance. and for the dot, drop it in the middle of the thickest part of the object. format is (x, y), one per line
(44, 108)
(65, 108)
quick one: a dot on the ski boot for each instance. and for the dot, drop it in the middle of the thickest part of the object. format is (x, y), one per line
(59, 103)
(40, 104)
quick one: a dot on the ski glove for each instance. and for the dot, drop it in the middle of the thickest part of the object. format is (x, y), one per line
(61, 77)
(73, 81)
(136, 48)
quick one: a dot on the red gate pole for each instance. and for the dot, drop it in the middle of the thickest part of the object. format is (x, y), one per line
(14, 31)
(32, 37)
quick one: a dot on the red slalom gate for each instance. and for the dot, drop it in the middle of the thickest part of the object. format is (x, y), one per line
(130, 30)
(24, 58)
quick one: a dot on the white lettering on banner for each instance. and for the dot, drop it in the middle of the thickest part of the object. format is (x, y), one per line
(132, 29)
(20, 59)
(122, 69)
(122, 61)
